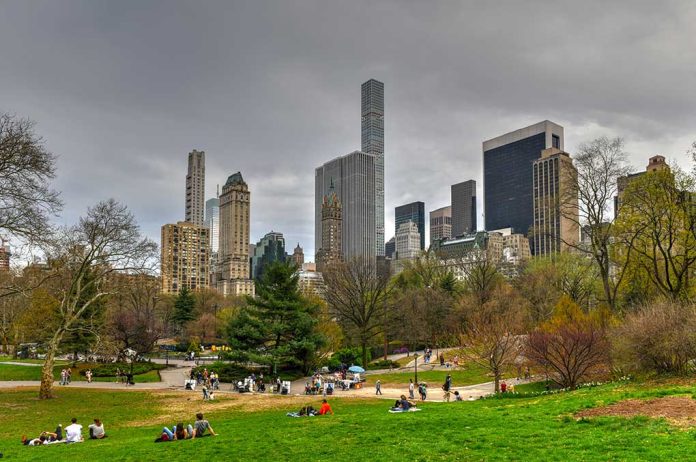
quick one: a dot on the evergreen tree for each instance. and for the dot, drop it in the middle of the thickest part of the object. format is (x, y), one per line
(278, 327)
(184, 306)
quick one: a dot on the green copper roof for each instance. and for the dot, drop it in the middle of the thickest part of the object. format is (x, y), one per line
(234, 179)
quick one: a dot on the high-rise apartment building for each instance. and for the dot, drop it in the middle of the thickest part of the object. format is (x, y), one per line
(390, 248)
(353, 179)
(372, 137)
(195, 187)
(414, 212)
(298, 256)
(555, 215)
(507, 174)
(330, 250)
(212, 221)
(655, 163)
(269, 249)
(463, 208)
(4, 256)
(440, 224)
(407, 241)
(233, 254)
(185, 257)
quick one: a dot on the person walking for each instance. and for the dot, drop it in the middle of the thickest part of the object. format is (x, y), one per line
(411, 389)
(378, 387)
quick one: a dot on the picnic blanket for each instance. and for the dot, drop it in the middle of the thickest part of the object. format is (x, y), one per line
(413, 409)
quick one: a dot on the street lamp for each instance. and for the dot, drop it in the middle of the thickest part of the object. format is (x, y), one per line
(415, 365)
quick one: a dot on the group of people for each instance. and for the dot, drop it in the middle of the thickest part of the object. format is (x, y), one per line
(209, 379)
(309, 411)
(71, 434)
(200, 428)
(124, 377)
(65, 376)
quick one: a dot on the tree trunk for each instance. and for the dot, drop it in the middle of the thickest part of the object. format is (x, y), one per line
(364, 354)
(497, 381)
(46, 390)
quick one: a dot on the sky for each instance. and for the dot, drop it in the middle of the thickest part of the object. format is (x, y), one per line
(121, 91)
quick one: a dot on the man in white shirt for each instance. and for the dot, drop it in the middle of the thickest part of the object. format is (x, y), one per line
(73, 432)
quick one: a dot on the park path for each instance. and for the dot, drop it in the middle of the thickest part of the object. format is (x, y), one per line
(14, 363)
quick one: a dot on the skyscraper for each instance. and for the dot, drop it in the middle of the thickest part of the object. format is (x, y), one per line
(331, 230)
(195, 187)
(212, 221)
(413, 212)
(353, 180)
(440, 224)
(507, 174)
(185, 257)
(269, 249)
(555, 220)
(408, 241)
(463, 196)
(233, 253)
(372, 136)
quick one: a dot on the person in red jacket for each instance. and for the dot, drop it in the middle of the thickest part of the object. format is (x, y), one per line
(325, 408)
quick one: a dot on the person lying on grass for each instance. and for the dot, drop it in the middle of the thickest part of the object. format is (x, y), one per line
(45, 438)
(178, 432)
(402, 404)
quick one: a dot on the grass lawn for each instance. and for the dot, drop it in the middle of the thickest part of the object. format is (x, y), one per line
(506, 429)
(461, 376)
(16, 372)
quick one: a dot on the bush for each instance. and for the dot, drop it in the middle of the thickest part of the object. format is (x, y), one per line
(660, 337)
(109, 370)
(351, 356)
(383, 364)
(234, 372)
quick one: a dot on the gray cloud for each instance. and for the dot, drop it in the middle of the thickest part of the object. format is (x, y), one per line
(123, 90)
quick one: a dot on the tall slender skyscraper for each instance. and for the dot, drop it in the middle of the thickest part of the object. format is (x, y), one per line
(373, 143)
(212, 221)
(195, 187)
(353, 179)
(463, 208)
(413, 212)
(233, 254)
(507, 174)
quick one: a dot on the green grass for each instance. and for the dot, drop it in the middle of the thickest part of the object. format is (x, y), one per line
(22, 373)
(529, 429)
(469, 375)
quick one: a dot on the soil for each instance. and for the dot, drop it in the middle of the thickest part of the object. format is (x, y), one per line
(678, 410)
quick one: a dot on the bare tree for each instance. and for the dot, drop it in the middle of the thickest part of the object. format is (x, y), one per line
(106, 241)
(357, 296)
(492, 332)
(26, 167)
(480, 273)
(570, 346)
(588, 202)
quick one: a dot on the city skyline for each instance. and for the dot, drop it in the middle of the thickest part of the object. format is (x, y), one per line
(121, 120)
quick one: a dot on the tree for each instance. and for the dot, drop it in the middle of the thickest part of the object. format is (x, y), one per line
(481, 275)
(85, 331)
(571, 345)
(492, 331)
(278, 326)
(657, 225)
(588, 201)
(26, 168)
(106, 241)
(357, 295)
(184, 307)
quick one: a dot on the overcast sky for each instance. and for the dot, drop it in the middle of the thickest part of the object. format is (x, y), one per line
(123, 90)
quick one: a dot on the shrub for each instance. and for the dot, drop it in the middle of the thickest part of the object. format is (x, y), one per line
(350, 356)
(659, 337)
(383, 364)
(109, 370)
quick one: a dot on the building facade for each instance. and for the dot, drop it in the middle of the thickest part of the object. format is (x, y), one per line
(185, 257)
(463, 196)
(372, 142)
(440, 224)
(556, 218)
(353, 180)
(414, 212)
(331, 249)
(269, 249)
(507, 174)
(655, 163)
(233, 275)
(298, 256)
(195, 187)
(390, 248)
(4, 256)
(408, 241)
(212, 221)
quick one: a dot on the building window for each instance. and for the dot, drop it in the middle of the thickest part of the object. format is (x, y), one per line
(556, 141)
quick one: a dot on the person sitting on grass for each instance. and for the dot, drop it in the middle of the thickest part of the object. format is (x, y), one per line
(325, 408)
(457, 396)
(200, 427)
(402, 404)
(96, 430)
(73, 432)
